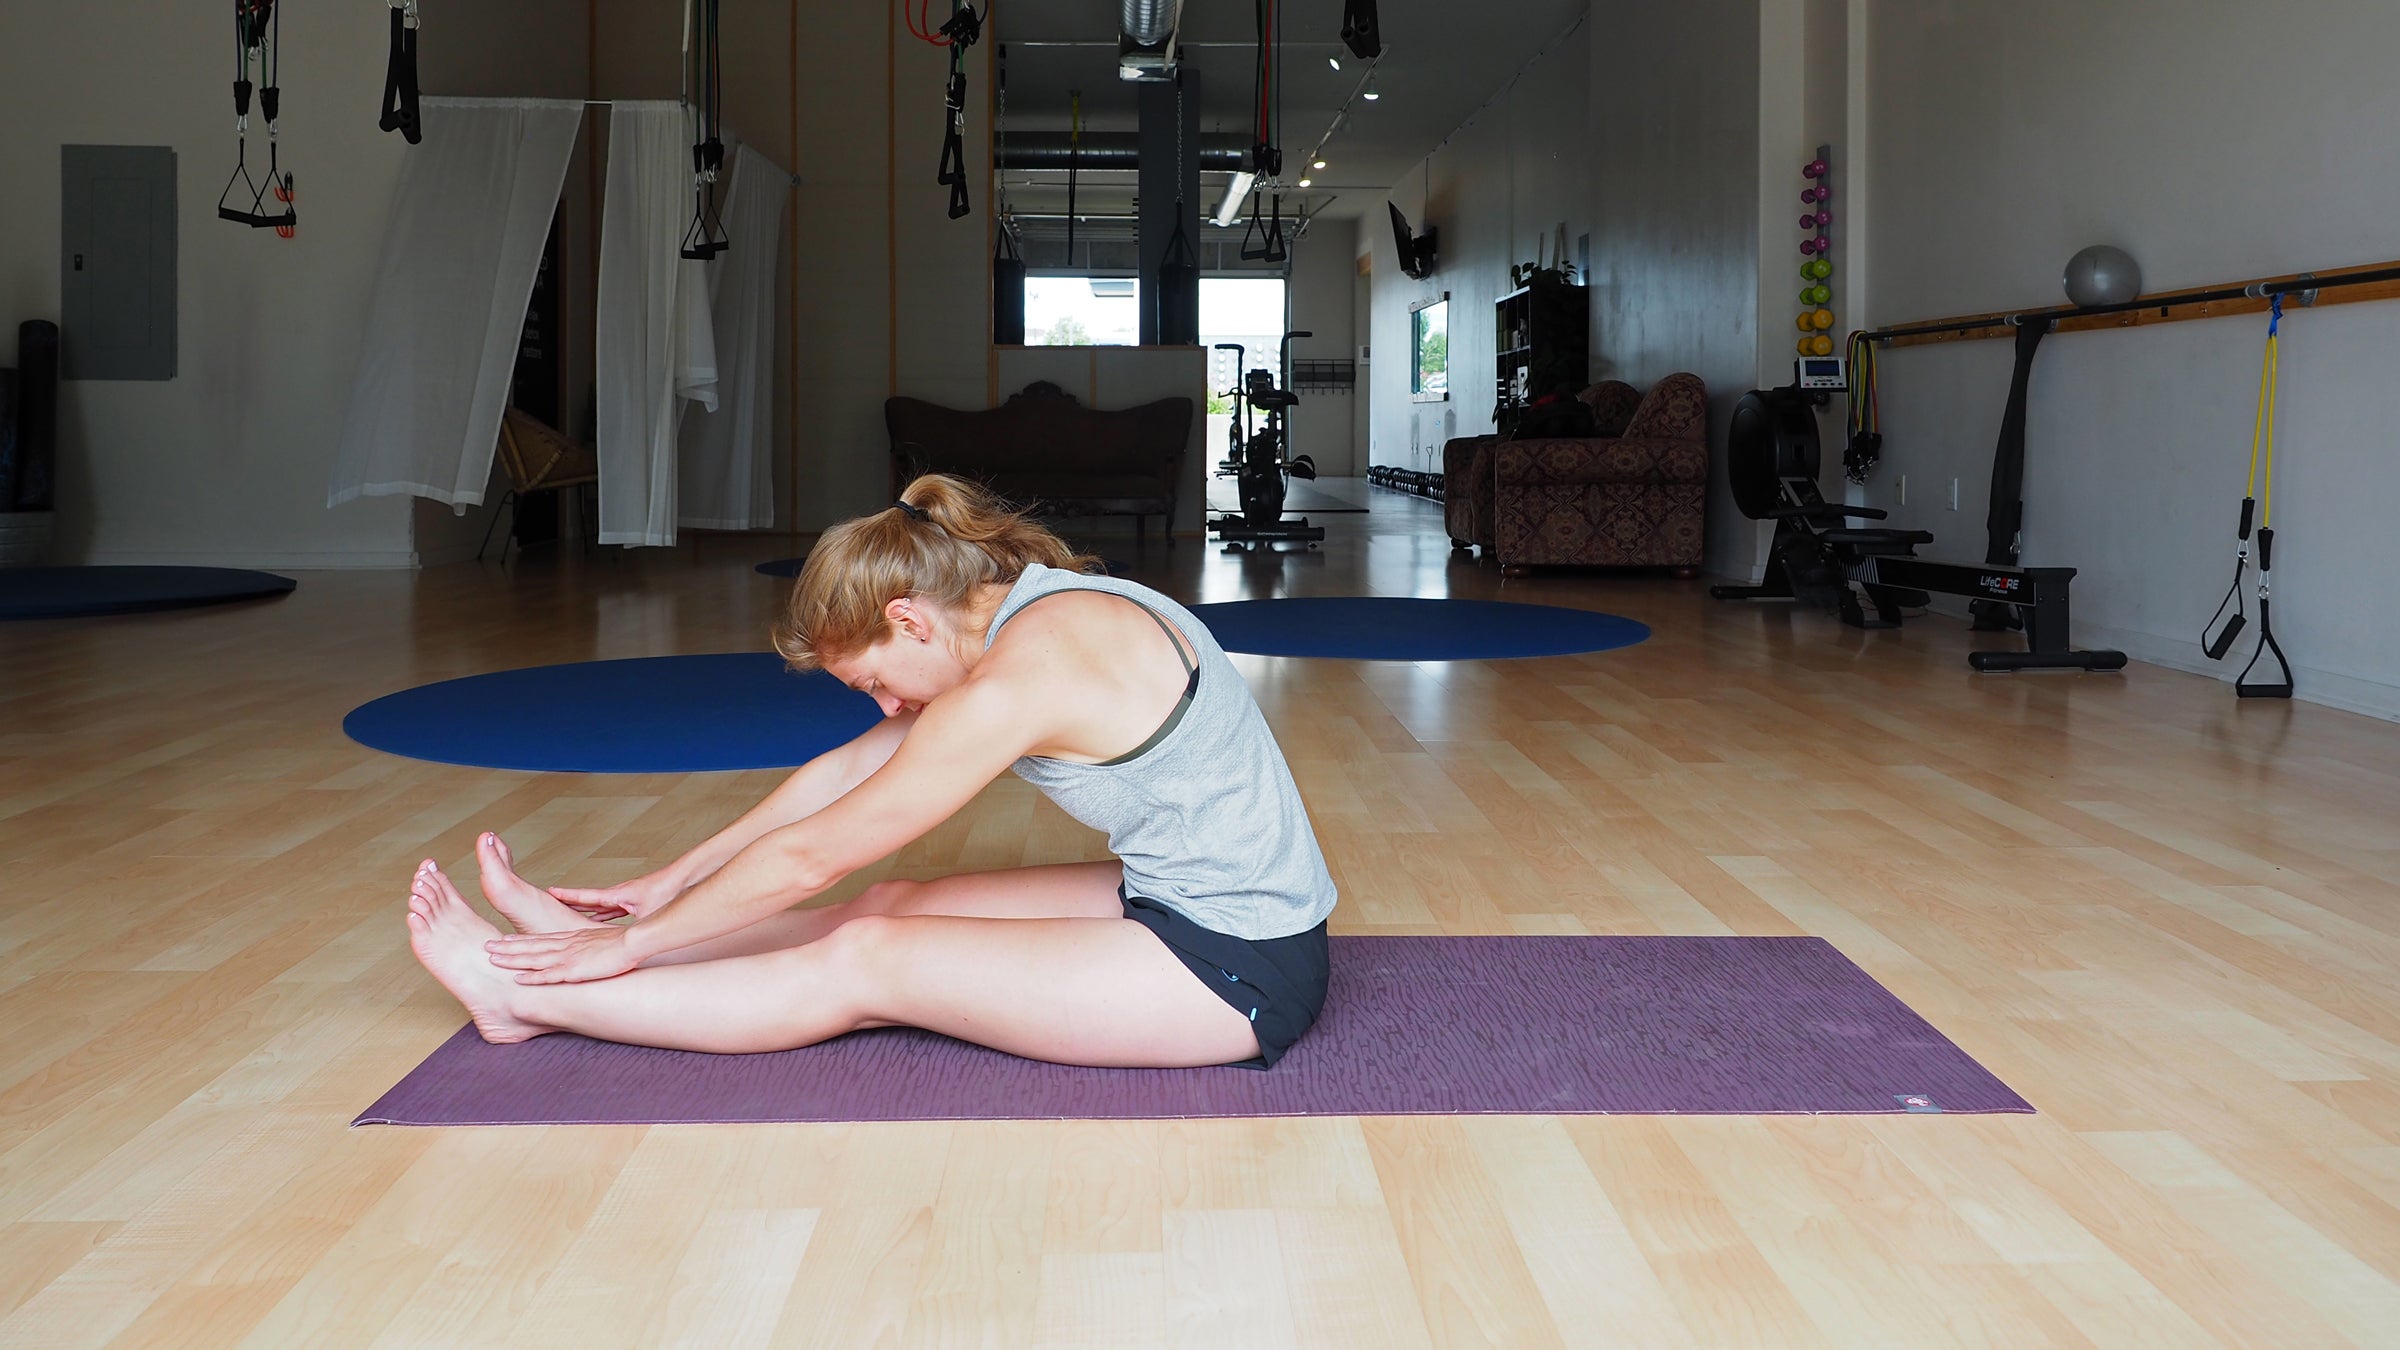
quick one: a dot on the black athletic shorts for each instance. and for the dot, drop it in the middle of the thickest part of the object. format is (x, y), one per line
(1278, 983)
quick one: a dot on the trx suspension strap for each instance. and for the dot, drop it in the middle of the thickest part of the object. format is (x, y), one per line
(2261, 494)
(964, 28)
(1260, 241)
(257, 25)
(1866, 412)
(1074, 159)
(706, 237)
(400, 74)
(2005, 521)
(1008, 262)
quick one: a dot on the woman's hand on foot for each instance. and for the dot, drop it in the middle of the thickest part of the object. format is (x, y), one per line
(635, 898)
(571, 957)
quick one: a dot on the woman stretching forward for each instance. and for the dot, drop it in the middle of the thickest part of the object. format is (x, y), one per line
(988, 648)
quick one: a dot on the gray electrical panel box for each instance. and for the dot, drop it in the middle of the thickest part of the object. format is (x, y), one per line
(116, 262)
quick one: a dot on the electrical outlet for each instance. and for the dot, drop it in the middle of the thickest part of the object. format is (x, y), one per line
(1953, 494)
(1903, 490)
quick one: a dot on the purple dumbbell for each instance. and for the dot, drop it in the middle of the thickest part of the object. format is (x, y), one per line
(1814, 169)
(1809, 245)
(1822, 219)
(1808, 196)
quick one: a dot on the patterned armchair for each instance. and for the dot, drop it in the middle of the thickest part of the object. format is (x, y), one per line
(1634, 496)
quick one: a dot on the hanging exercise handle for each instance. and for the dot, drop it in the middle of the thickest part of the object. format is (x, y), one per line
(2228, 626)
(400, 75)
(1865, 448)
(964, 27)
(2261, 492)
(705, 238)
(257, 26)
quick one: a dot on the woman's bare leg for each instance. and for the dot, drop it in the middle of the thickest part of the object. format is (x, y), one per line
(1101, 991)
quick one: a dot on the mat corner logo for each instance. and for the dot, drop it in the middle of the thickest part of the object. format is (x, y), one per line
(2000, 585)
(1918, 1105)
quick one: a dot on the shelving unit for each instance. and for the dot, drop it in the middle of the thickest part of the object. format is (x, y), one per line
(1541, 337)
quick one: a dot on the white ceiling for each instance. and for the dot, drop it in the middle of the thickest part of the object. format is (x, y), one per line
(1441, 60)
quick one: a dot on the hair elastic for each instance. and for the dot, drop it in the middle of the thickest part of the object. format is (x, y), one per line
(915, 512)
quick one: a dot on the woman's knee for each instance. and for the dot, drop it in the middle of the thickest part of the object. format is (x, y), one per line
(884, 897)
(856, 961)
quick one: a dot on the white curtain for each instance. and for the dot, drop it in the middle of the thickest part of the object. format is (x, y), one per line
(654, 345)
(460, 253)
(728, 465)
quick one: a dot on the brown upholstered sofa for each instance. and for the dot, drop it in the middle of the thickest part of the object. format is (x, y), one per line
(1635, 495)
(1046, 452)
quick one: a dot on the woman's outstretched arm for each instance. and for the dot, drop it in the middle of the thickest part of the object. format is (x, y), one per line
(809, 789)
(961, 741)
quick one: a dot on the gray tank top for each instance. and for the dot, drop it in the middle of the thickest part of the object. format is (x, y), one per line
(1205, 815)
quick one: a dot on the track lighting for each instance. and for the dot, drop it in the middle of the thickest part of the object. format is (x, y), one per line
(1369, 93)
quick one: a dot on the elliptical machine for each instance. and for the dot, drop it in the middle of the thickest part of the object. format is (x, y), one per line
(1262, 465)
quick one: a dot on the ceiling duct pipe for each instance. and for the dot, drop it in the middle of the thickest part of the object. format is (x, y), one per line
(1115, 150)
(1146, 39)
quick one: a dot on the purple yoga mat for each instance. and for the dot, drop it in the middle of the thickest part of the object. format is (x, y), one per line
(1412, 1026)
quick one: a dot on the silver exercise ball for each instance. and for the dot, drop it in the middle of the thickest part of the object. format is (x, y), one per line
(2103, 275)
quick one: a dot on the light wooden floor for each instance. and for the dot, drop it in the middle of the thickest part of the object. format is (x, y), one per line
(2165, 917)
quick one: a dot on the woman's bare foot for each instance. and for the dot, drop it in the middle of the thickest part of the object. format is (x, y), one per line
(529, 907)
(448, 937)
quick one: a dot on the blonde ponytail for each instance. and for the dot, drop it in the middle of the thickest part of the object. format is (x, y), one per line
(942, 539)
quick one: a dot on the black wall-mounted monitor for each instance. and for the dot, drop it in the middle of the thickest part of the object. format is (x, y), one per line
(1416, 252)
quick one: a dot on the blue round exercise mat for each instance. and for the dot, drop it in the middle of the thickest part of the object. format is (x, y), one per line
(1378, 628)
(69, 592)
(658, 714)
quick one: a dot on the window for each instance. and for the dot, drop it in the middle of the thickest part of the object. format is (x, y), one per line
(1246, 312)
(1082, 311)
(1429, 343)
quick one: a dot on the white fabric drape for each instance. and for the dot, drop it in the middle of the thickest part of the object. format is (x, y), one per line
(460, 253)
(727, 477)
(654, 345)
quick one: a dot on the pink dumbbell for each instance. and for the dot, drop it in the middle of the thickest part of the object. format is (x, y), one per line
(1814, 169)
(1822, 219)
(1809, 245)
(1808, 196)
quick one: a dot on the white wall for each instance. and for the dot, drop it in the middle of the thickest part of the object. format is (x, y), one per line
(1497, 190)
(1647, 129)
(227, 462)
(1677, 251)
(1322, 296)
(2005, 138)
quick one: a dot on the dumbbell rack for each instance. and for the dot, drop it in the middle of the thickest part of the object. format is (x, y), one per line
(1416, 481)
(1816, 320)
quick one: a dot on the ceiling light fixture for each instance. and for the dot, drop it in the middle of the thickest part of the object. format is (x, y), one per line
(1369, 93)
(1304, 182)
(1334, 61)
(1234, 192)
(1319, 164)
